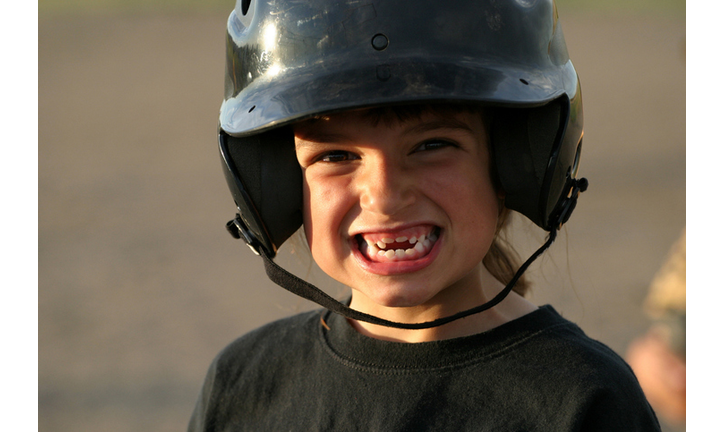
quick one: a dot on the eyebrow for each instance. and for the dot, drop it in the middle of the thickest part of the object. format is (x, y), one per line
(440, 123)
(311, 137)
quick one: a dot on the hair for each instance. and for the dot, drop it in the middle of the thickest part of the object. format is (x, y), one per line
(502, 261)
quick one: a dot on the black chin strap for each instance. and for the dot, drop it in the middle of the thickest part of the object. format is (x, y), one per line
(304, 289)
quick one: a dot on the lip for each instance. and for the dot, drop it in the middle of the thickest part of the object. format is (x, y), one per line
(395, 267)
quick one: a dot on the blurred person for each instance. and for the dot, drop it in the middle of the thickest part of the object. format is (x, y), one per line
(659, 357)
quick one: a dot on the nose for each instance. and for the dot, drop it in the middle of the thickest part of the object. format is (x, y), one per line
(385, 187)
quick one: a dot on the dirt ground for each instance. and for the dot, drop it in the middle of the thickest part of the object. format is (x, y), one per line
(139, 283)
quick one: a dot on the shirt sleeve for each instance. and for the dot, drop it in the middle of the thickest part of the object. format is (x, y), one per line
(199, 421)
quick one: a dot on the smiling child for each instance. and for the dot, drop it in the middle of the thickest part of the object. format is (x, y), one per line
(383, 216)
(400, 137)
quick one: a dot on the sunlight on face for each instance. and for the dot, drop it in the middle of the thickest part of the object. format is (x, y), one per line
(403, 212)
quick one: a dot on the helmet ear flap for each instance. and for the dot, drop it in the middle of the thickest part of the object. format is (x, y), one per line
(525, 143)
(266, 181)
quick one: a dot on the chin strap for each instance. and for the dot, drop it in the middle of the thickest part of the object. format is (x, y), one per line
(308, 291)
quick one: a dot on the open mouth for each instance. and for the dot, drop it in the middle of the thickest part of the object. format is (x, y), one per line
(406, 245)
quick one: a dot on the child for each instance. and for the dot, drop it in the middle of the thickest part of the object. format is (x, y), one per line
(401, 135)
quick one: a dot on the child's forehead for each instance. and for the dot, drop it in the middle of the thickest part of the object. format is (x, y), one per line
(416, 117)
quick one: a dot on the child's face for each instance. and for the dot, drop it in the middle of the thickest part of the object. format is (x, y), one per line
(373, 190)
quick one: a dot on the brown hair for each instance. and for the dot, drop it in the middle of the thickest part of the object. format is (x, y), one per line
(502, 261)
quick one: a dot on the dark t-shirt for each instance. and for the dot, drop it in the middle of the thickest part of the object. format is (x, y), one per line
(537, 373)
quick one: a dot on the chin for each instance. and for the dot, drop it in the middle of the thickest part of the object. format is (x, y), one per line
(403, 295)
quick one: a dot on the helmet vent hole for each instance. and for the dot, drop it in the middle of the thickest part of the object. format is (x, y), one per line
(245, 6)
(380, 42)
(252, 108)
(524, 81)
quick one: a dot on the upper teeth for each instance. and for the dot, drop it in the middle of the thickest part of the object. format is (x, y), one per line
(382, 244)
(419, 245)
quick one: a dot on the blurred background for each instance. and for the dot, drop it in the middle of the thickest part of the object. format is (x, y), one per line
(139, 283)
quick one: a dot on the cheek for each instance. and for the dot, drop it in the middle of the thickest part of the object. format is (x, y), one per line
(471, 201)
(307, 213)
(323, 215)
(488, 202)
(463, 187)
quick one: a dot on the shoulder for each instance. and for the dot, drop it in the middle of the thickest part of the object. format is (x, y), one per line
(245, 369)
(559, 340)
(563, 346)
(273, 348)
(286, 335)
(591, 382)
(285, 328)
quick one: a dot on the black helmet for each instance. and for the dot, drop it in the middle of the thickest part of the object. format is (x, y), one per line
(289, 60)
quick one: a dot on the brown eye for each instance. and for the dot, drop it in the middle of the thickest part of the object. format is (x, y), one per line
(434, 145)
(337, 156)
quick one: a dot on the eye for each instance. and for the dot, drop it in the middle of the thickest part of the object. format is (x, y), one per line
(434, 144)
(337, 156)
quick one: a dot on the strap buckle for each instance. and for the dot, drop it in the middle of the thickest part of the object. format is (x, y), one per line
(568, 204)
(238, 229)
